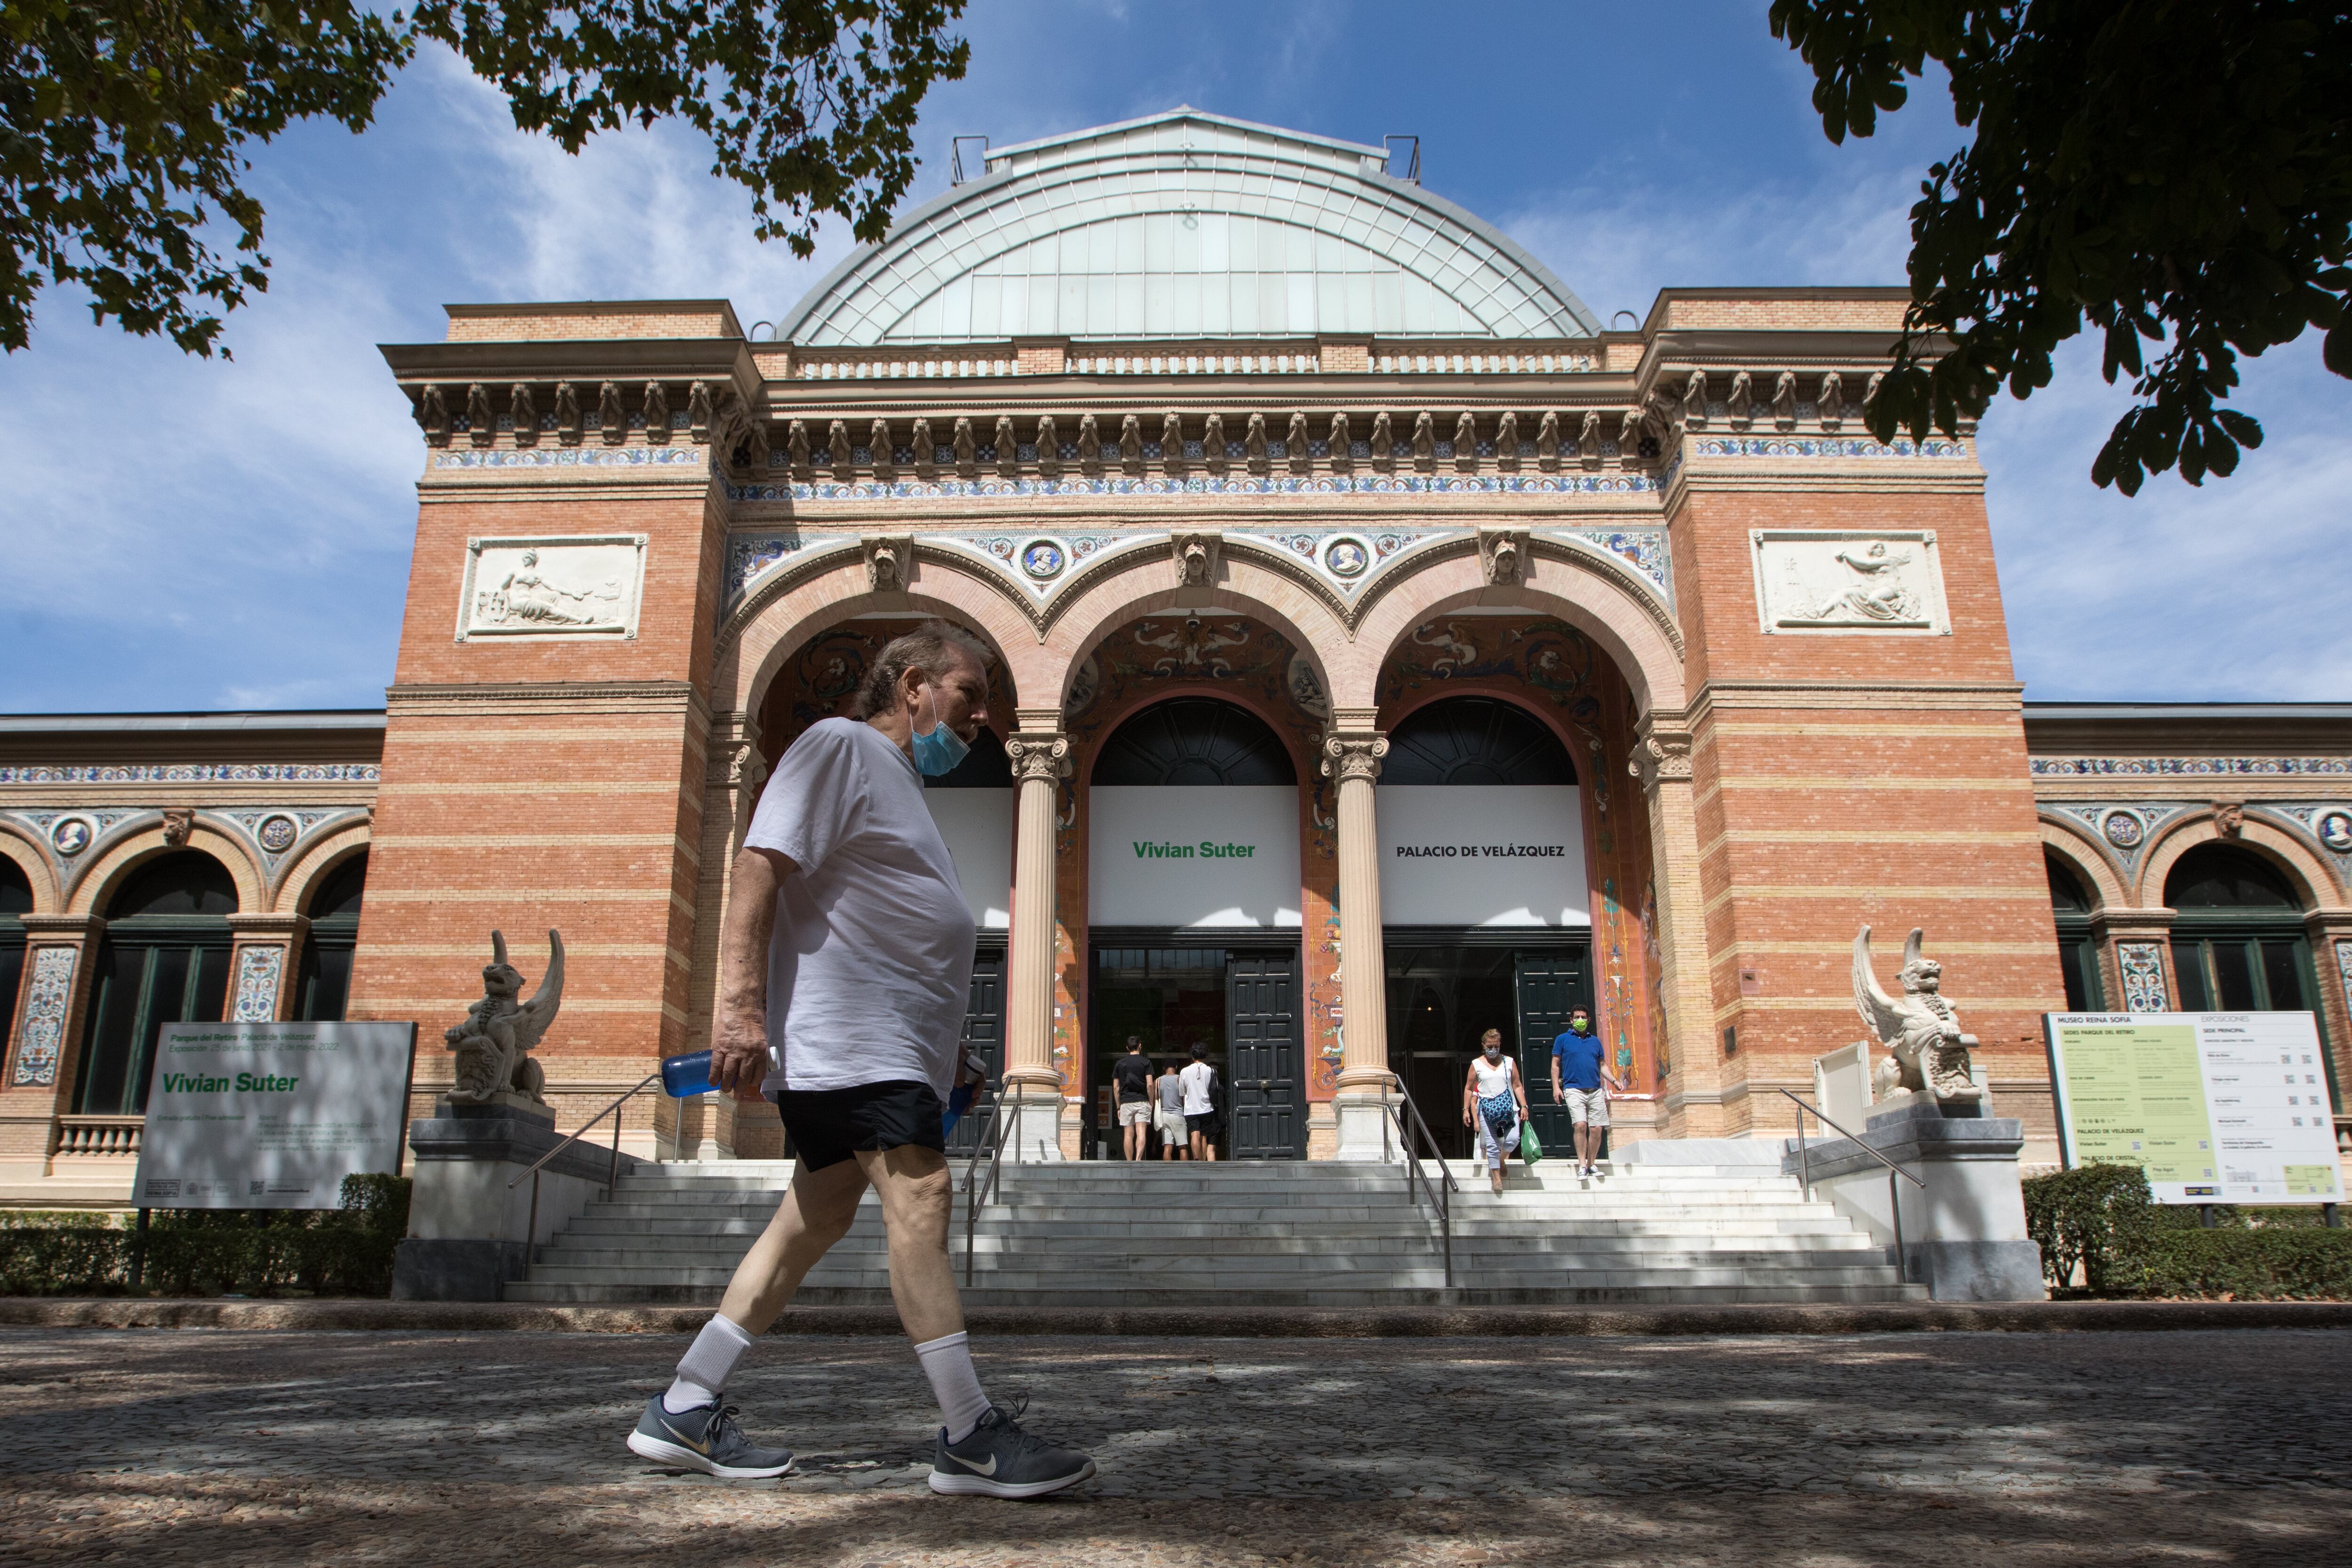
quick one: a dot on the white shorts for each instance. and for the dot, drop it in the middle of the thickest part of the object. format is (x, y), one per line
(1135, 1113)
(1586, 1106)
(1172, 1125)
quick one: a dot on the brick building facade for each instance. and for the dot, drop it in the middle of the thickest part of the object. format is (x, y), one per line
(1262, 470)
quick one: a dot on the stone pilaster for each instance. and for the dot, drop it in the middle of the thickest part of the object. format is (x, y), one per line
(264, 961)
(718, 1126)
(1352, 750)
(1692, 1090)
(1033, 1086)
(2331, 958)
(2134, 950)
(45, 1047)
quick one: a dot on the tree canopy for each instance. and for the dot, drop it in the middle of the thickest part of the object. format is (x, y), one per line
(125, 125)
(2175, 174)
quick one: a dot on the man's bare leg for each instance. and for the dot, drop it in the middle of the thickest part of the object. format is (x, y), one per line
(917, 1201)
(817, 1211)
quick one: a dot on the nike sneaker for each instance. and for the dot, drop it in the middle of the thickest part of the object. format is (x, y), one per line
(704, 1438)
(999, 1459)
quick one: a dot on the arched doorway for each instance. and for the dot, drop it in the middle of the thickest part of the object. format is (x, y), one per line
(324, 983)
(15, 903)
(1484, 900)
(2070, 912)
(164, 959)
(1193, 900)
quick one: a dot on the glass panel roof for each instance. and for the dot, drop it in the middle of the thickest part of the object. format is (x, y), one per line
(1186, 225)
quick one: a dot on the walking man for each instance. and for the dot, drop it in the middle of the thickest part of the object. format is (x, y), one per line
(1578, 1071)
(1173, 1133)
(844, 963)
(1199, 1108)
(1132, 1074)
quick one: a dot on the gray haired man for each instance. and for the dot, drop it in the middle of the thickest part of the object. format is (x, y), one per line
(844, 964)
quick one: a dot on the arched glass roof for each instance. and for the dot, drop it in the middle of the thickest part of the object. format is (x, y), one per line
(1186, 225)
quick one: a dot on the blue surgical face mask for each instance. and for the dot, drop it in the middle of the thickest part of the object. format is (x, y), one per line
(938, 749)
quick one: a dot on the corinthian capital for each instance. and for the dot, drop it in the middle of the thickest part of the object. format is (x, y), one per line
(1661, 754)
(1353, 754)
(1038, 754)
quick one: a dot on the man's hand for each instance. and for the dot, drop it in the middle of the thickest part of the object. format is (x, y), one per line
(739, 1053)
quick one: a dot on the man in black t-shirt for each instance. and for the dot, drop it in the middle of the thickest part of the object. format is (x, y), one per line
(1132, 1074)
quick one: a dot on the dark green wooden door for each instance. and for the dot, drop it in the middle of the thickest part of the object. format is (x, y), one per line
(1552, 982)
(1266, 1119)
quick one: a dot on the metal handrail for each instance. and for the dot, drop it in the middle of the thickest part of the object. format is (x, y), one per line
(611, 1176)
(1416, 1180)
(973, 1194)
(1893, 1193)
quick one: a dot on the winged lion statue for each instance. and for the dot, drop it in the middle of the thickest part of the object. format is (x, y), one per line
(1930, 1052)
(499, 1031)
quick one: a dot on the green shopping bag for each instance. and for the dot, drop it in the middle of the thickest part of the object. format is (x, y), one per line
(1530, 1146)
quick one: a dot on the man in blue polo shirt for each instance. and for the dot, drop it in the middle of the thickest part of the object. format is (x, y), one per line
(1578, 1071)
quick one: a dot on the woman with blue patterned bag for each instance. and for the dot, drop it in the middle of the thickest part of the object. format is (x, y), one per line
(1494, 1102)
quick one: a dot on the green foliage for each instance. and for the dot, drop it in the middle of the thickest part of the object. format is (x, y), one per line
(2100, 1216)
(209, 1252)
(123, 126)
(2168, 173)
(2087, 1216)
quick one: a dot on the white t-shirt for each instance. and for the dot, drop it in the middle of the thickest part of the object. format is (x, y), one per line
(1492, 1080)
(1196, 1080)
(869, 974)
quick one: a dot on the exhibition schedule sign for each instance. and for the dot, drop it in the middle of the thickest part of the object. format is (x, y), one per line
(2217, 1107)
(272, 1115)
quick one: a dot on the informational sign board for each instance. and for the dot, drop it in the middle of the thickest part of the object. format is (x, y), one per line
(1482, 855)
(1193, 855)
(2217, 1107)
(272, 1116)
(978, 826)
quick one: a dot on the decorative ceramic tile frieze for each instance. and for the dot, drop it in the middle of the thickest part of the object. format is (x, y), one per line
(2142, 963)
(558, 585)
(2066, 767)
(1644, 548)
(1200, 485)
(1821, 446)
(259, 967)
(199, 773)
(2123, 828)
(751, 556)
(49, 993)
(1818, 581)
(571, 458)
(275, 830)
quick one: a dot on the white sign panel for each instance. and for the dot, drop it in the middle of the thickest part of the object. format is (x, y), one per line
(272, 1116)
(1195, 855)
(1482, 855)
(978, 826)
(2217, 1107)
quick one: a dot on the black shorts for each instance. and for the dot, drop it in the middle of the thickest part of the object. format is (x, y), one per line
(1205, 1124)
(828, 1125)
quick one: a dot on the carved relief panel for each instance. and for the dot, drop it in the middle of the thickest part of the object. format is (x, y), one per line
(1849, 580)
(574, 585)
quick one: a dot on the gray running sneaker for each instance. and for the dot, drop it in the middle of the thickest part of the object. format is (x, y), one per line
(704, 1438)
(999, 1459)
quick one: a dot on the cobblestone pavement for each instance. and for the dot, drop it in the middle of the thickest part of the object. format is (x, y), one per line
(191, 1445)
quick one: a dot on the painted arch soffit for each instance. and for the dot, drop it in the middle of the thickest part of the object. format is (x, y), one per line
(1188, 226)
(1347, 569)
(74, 840)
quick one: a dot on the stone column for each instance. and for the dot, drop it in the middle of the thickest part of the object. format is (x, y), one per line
(719, 1126)
(1693, 1093)
(46, 1048)
(1352, 750)
(263, 964)
(1032, 1092)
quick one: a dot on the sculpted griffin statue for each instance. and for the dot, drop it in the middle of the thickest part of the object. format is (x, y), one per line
(498, 1030)
(1922, 1030)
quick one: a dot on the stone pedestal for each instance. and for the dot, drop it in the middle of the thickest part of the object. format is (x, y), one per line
(469, 1230)
(1964, 1230)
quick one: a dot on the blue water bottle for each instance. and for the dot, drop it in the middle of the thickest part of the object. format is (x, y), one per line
(683, 1078)
(960, 1097)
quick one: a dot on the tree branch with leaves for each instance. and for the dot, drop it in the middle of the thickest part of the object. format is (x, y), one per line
(2176, 175)
(124, 125)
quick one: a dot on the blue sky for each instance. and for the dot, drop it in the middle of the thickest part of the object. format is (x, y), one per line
(186, 533)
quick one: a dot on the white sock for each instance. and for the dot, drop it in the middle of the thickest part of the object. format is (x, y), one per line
(703, 1370)
(947, 1362)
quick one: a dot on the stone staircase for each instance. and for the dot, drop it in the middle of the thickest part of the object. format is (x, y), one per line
(1109, 1234)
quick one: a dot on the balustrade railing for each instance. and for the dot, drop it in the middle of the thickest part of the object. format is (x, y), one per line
(99, 1137)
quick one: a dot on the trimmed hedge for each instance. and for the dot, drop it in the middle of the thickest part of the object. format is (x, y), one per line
(211, 1252)
(2102, 1217)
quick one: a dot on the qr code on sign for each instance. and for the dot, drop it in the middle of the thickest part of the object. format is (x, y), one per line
(257, 1189)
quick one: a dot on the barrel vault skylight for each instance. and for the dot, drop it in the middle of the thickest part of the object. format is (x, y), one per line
(1186, 225)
